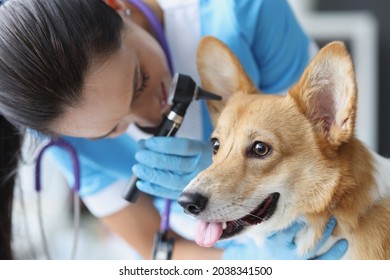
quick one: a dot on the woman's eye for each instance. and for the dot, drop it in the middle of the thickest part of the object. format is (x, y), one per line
(260, 149)
(215, 145)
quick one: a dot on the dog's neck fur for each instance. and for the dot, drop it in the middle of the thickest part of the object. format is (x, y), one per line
(364, 178)
(363, 187)
(356, 164)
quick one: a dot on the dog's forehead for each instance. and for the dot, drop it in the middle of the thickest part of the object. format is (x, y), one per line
(256, 109)
(260, 117)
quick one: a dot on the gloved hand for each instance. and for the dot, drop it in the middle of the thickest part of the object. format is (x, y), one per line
(281, 246)
(167, 164)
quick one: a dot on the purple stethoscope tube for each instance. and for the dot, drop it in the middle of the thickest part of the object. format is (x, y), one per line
(73, 154)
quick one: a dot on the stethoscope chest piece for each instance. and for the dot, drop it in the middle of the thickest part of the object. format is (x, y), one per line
(162, 247)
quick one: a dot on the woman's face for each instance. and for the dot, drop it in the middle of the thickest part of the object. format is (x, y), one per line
(131, 86)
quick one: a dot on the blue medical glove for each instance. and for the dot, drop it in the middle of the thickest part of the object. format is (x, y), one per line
(167, 164)
(281, 246)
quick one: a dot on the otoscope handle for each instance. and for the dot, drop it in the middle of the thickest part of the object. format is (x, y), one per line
(168, 128)
(132, 192)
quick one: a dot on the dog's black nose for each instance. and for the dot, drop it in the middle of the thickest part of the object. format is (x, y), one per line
(193, 203)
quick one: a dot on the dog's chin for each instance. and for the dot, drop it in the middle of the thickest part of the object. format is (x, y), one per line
(262, 213)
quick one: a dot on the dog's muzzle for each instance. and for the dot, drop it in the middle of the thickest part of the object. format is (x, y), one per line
(208, 233)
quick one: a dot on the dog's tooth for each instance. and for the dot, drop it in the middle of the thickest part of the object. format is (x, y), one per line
(224, 225)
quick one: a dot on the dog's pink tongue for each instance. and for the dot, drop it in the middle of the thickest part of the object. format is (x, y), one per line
(207, 234)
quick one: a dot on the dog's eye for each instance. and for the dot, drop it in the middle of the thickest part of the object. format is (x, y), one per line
(260, 149)
(215, 145)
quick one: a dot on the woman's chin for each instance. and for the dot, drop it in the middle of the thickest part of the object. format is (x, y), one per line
(153, 123)
(150, 127)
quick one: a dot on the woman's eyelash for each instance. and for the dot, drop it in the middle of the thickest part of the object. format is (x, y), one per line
(145, 79)
(144, 83)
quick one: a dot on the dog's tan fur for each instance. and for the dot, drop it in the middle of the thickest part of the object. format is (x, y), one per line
(316, 163)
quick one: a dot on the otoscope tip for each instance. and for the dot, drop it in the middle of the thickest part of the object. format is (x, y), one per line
(202, 94)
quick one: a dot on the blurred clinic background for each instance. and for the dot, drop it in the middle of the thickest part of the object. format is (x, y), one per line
(363, 25)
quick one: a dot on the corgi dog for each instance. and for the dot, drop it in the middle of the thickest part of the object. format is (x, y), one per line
(277, 159)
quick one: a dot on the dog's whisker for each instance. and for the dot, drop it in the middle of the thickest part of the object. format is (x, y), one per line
(257, 217)
(252, 215)
(238, 223)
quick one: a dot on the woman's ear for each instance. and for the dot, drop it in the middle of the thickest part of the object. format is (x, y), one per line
(111, 3)
(117, 4)
(221, 73)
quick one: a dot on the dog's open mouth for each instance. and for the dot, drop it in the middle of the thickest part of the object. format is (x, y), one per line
(208, 234)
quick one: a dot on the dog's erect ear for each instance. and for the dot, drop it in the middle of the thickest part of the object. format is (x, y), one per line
(221, 73)
(327, 93)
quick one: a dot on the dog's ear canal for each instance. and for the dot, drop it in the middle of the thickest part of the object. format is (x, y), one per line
(221, 73)
(327, 93)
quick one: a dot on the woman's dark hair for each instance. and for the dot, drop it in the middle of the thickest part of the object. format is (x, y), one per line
(46, 49)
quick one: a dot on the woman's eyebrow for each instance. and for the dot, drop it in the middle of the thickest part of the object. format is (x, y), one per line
(135, 82)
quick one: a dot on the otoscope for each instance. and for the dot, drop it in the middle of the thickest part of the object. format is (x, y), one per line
(184, 90)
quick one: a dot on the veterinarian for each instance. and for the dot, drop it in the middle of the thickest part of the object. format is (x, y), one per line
(97, 74)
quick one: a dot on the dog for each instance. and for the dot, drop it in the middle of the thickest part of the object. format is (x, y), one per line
(278, 159)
